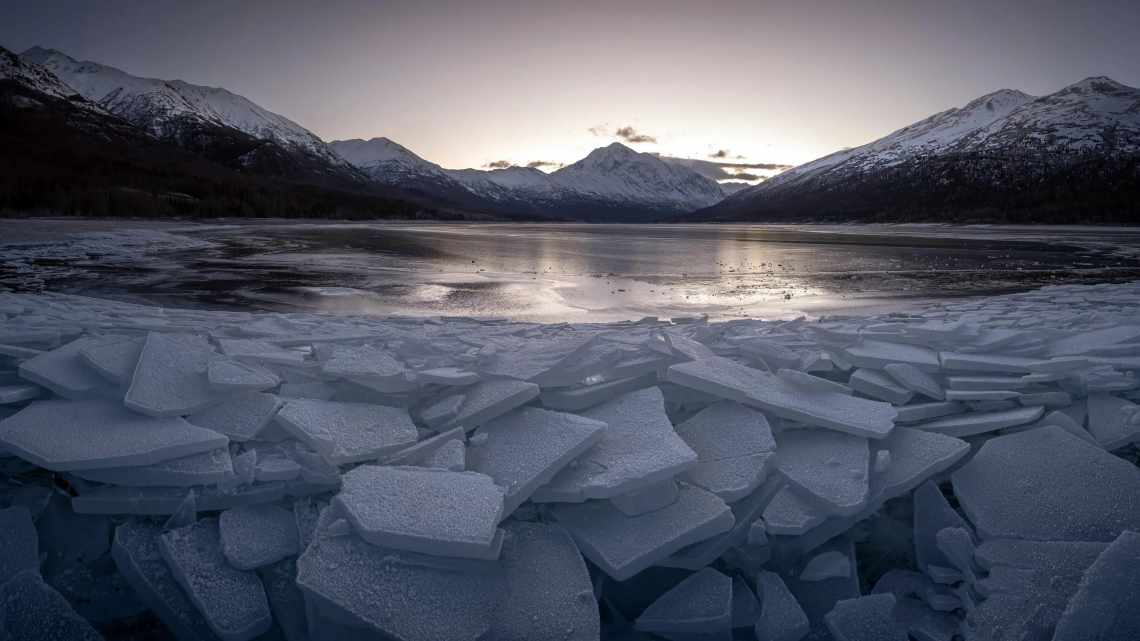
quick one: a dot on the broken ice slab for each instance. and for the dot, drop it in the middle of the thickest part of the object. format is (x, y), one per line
(19, 547)
(31, 610)
(451, 456)
(916, 412)
(981, 395)
(932, 513)
(745, 606)
(734, 446)
(876, 354)
(1087, 342)
(781, 617)
(11, 394)
(879, 385)
(232, 601)
(915, 380)
(867, 618)
(790, 513)
(1113, 421)
(910, 584)
(488, 399)
(961, 362)
(638, 448)
(831, 564)
(548, 595)
(254, 536)
(114, 499)
(362, 361)
(170, 378)
(286, 601)
(1047, 484)
(623, 545)
(241, 417)
(383, 595)
(63, 371)
(816, 383)
(206, 468)
(1046, 399)
(986, 383)
(423, 510)
(63, 436)
(1107, 602)
(448, 376)
(1027, 588)
(257, 351)
(524, 449)
(113, 357)
(572, 399)
(137, 556)
(700, 605)
(981, 422)
(647, 499)
(832, 467)
(276, 467)
(729, 379)
(319, 390)
(348, 432)
(231, 376)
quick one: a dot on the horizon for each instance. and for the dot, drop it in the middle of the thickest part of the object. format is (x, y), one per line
(762, 122)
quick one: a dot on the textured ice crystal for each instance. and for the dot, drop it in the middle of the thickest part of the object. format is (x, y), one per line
(254, 536)
(347, 432)
(831, 466)
(734, 446)
(699, 605)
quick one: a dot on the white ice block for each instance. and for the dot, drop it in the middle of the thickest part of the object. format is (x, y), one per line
(241, 417)
(488, 399)
(423, 510)
(524, 449)
(701, 604)
(981, 422)
(867, 618)
(832, 467)
(877, 354)
(254, 536)
(879, 385)
(1107, 602)
(64, 436)
(232, 376)
(915, 380)
(734, 446)
(171, 377)
(638, 448)
(32, 610)
(348, 432)
(114, 357)
(63, 371)
(781, 617)
(206, 468)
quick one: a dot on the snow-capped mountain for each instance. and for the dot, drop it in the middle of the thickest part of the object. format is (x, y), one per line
(32, 76)
(165, 107)
(1006, 153)
(610, 182)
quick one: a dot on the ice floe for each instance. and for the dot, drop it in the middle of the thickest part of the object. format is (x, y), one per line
(308, 477)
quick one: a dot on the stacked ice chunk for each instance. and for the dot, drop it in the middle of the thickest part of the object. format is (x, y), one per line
(965, 470)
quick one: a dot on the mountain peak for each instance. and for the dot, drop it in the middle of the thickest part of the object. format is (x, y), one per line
(1097, 84)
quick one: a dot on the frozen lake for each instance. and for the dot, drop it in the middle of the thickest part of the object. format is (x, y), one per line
(553, 272)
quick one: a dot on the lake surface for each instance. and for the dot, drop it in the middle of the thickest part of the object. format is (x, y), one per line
(553, 272)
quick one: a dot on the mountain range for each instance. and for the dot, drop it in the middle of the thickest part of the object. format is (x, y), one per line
(1070, 156)
(176, 147)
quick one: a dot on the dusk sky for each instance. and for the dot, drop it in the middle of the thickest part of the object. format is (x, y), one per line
(466, 83)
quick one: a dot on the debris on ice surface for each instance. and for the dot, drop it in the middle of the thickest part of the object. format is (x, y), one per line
(638, 448)
(64, 435)
(524, 449)
(734, 446)
(423, 510)
(624, 545)
(171, 377)
(1043, 386)
(254, 536)
(699, 605)
(347, 432)
(548, 594)
(232, 600)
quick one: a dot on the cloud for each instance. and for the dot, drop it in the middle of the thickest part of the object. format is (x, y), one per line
(538, 164)
(726, 170)
(599, 130)
(720, 153)
(744, 175)
(499, 164)
(629, 134)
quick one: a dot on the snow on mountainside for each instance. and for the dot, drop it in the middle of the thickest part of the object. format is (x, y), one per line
(162, 105)
(1069, 156)
(32, 76)
(612, 177)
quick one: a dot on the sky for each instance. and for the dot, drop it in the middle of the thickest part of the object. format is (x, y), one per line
(469, 83)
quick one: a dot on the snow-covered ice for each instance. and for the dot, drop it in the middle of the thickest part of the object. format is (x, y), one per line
(347, 432)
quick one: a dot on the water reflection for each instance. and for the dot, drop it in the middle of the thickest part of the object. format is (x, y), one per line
(598, 272)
